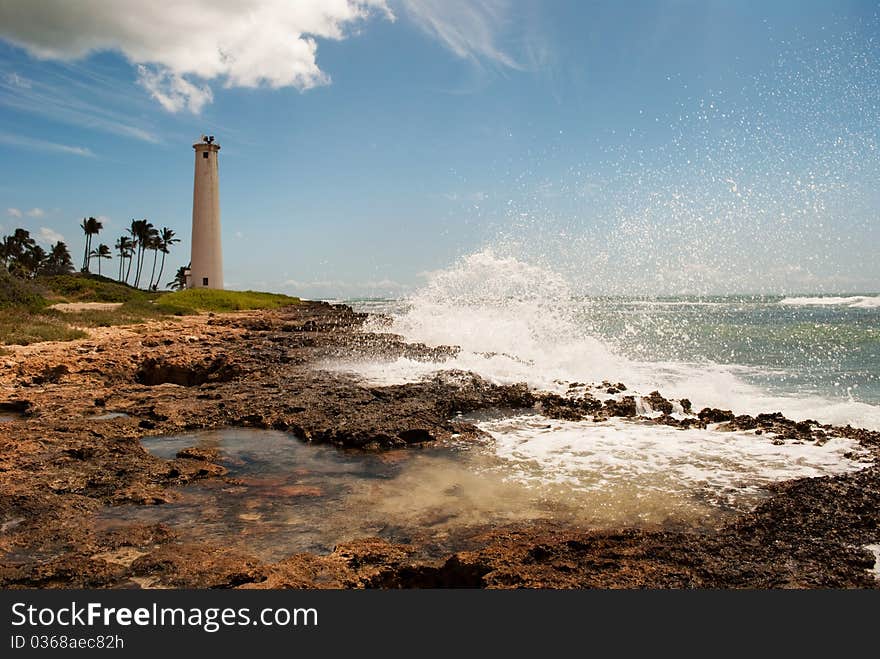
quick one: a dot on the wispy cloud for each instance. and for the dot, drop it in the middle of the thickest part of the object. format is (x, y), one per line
(49, 236)
(468, 28)
(16, 80)
(13, 212)
(36, 212)
(70, 95)
(43, 145)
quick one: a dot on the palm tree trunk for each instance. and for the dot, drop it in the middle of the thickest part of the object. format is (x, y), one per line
(128, 269)
(100, 258)
(86, 254)
(142, 257)
(141, 263)
(161, 268)
(153, 273)
(137, 268)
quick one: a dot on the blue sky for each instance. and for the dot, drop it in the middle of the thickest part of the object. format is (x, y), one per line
(637, 147)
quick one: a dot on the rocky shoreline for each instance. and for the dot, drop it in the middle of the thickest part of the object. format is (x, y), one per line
(72, 415)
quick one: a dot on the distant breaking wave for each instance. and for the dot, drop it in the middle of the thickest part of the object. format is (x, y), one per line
(853, 301)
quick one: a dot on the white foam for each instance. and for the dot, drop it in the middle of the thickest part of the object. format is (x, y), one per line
(591, 455)
(853, 301)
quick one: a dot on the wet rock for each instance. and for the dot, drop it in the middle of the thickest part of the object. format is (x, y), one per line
(804, 427)
(184, 470)
(415, 436)
(196, 453)
(658, 403)
(570, 408)
(744, 422)
(714, 415)
(626, 407)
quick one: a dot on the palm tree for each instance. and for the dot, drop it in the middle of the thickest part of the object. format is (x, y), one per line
(133, 231)
(179, 281)
(58, 262)
(146, 237)
(91, 227)
(32, 261)
(140, 235)
(155, 241)
(8, 249)
(126, 248)
(85, 227)
(20, 252)
(166, 240)
(102, 252)
(148, 241)
(23, 240)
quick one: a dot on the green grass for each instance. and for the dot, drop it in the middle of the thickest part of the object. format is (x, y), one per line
(83, 287)
(130, 313)
(19, 326)
(25, 319)
(204, 299)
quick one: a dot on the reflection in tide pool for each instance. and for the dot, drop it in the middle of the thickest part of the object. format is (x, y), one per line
(283, 496)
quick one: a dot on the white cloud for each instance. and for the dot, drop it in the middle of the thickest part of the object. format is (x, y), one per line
(36, 212)
(469, 28)
(13, 212)
(173, 91)
(49, 236)
(43, 145)
(244, 43)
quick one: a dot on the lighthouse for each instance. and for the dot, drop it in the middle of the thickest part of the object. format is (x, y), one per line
(206, 263)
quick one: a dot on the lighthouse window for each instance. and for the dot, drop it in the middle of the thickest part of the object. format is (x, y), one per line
(204, 281)
(204, 154)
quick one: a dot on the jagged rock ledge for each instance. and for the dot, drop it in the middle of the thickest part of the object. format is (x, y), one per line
(78, 409)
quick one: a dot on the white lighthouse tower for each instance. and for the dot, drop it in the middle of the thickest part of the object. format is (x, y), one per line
(206, 264)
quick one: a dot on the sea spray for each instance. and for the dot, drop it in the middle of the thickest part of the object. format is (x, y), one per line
(514, 321)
